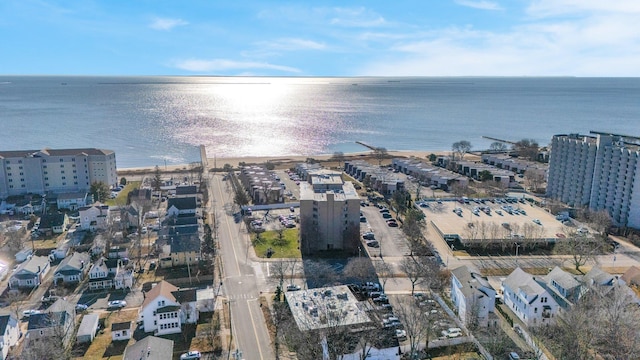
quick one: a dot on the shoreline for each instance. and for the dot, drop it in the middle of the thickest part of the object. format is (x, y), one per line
(235, 161)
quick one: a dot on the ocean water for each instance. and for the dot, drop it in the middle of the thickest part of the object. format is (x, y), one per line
(152, 120)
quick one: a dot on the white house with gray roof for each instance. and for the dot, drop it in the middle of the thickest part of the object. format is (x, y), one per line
(565, 288)
(30, 273)
(528, 299)
(72, 269)
(473, 297)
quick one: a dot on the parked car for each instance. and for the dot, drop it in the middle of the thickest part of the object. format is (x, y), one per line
(514, 356)
(191, 355)
(117, 304)
(386, 215)
(30, 312)
(401, 334)
(82, 307)
(392, 224)
(369, 236)
(452, 332)
(293, 287)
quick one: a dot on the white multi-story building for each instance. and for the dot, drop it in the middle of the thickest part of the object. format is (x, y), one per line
(601, 173)
(473, 297)
(55, 170)
(528, 299)
(329, 213)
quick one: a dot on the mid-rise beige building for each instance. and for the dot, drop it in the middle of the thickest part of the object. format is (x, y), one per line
(55, 170)
(329, 213)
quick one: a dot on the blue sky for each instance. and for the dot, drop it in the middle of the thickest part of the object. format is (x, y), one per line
(324, 38)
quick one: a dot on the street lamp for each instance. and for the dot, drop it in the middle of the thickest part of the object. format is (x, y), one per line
(517, 247)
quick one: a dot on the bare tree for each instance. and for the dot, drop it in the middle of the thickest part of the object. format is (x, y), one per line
(534, 179)
(279, 270)
(319, 273)
(380, 154)
(360, 268)
(413, 319)
(497, 146)
(581, 248)
(600, 221)
(15, 240)
(384, 271)
(16, 301)
(460, 149)
(414, 270)
(527, 148)
(339, 157)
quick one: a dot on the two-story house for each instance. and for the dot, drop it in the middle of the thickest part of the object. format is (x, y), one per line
(73, 200)
(55, 324)
(53, 223)
(110, 274)
(181, 250)
(94, 217)
(30, 273)
(149, 348)
(9, 334)
(530, 301)
(72, 269)
(166, 308)
(564, 288)
(473, 297)
(182, 205)
(121, 331)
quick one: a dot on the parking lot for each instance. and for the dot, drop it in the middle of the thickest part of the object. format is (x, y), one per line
(391, 240)
(491, 219)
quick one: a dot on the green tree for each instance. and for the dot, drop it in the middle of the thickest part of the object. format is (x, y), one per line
(123, 181)
(433, 157)
(227, 168)
(527, 148)
(100, 191)
(485, 175)
(156, 182)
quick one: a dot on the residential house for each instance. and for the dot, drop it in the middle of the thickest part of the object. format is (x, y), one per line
(149, 348)
(94, 217)
(186, 190)
(530, 301)
(473, 297)
(110, 274)
(9, 334)
(565, 288)
(72, 269)
(53, 224)
(118, 252)
(129, 217)
(181, 250)
(88, 328)
(598, 277)
(30, 273)
(166, 308)
(631, 277)
(121, 331)
(181, 205)
(55, 324)
(139, 195)
(73, 201)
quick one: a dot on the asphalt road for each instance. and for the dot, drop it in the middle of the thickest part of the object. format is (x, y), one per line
(242, 278)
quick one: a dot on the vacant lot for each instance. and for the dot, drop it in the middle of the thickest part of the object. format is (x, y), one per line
(285, 246)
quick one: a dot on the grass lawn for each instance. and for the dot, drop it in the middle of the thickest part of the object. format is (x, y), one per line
(122, 196)
(102, 346)
(269, 239)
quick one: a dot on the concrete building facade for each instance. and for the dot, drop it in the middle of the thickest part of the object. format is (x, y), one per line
(55, 170)
(601, 172)
(329, 213)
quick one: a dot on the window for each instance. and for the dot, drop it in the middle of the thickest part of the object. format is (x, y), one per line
(62, 172)
(61, 160)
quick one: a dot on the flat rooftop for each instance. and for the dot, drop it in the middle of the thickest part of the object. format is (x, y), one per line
(325, 307)
(469, 225)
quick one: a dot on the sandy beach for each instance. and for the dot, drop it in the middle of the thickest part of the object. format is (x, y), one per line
(278, 160)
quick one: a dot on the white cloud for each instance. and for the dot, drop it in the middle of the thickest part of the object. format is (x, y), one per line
(355, 17)
(560, 38)
(292, 44)
(479, 4)
(222, 65)
(166, 24)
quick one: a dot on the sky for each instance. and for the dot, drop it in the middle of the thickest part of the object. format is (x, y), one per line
(321, 38)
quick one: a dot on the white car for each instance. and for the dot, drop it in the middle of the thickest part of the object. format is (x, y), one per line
(117, 304)
(452, 332)
(28, 313)
(401, 334)
(293, 287)
(190, 355)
